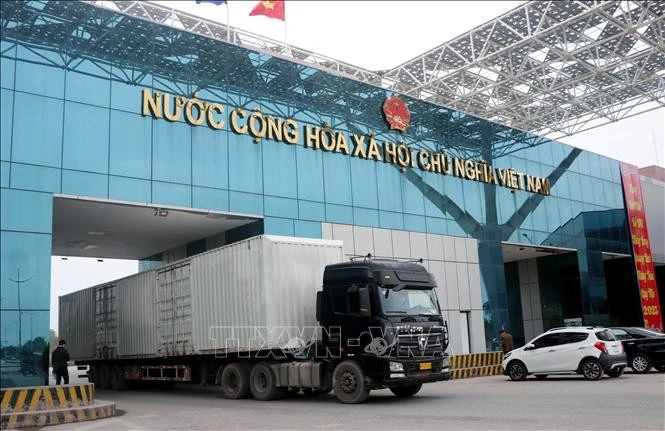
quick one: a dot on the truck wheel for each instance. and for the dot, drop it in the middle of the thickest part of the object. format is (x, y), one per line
(406, 391)
(262, 383)
(118, 381)
(349, 383)
(104, 377)
(235, 381)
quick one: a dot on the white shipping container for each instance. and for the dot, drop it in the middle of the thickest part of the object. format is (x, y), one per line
(257, 293)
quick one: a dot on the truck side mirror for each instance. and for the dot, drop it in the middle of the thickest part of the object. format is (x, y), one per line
(365, 302)
(319, 299)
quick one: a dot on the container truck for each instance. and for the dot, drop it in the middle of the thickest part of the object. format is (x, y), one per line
(253, 318)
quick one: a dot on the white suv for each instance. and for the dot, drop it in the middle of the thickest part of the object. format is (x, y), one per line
(581, 350)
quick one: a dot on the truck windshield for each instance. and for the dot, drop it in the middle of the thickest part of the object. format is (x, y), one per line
(409, 302)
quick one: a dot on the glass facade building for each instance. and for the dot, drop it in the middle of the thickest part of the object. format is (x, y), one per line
(74, 122)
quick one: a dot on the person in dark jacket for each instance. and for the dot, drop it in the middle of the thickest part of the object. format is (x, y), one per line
(506, 341)
(59, 359)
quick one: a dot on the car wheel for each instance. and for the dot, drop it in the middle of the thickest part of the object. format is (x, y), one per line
(517, 371)
(541, 376)
(640, 363)
(349, 383)
(591, 369)
(615, 372)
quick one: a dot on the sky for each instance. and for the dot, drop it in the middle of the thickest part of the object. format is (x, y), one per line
(374, 35)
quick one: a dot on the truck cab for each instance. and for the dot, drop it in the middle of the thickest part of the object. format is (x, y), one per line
(384, 316)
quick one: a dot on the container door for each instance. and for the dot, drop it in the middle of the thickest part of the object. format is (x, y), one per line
(106, 320)
(174, 304)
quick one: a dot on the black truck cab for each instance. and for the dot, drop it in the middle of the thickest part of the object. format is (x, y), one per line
(385, 315)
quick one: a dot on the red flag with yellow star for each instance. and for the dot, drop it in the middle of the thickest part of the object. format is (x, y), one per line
(270, 8)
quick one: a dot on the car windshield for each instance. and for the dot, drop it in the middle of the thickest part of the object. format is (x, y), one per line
(409, 302)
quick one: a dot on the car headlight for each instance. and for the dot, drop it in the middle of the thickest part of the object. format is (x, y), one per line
(396, 366)
(506, 355)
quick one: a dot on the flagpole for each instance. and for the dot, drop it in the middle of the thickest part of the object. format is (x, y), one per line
(286, 41)
(228, 23)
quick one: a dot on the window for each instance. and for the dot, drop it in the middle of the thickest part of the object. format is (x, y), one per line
(605, 335)
(351, 300)
(574, 337)
(620, 334)
(547, 341)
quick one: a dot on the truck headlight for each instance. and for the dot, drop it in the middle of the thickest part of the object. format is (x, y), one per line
(396, 366)
(445, 362)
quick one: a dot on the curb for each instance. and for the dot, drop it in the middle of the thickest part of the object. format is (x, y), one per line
(98, 410)
(36, 398)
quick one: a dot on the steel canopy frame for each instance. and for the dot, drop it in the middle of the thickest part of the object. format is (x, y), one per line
(553, 68)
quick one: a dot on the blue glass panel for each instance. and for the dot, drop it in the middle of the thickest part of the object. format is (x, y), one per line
(4, 174)
(413, 201)
(129, 97)
(129, 189)
(171, 194)
(365, 217)
(390, 189)
(25, 256)
(391, 220)
(246, 203)
(26, 211)
(88, 89)
(437, 225)
(280, 207)
(37, 130)
(84, 184)
(415, 223)
(86, 138)
(587, 189)
(245, 167)
(575, 183)
(336, 173)
(7, 72)
(210, 199)
(307, 229)
(37, 178)
(278, 226)
(310, 174)
(40, 79)
(311, 211)
(279, 169)
(339, 214)
(210, 158)
(435, 181)
(131, 146)
(454, 229)
(171, 152)
(363, 183)
(6, 113)
(474, 202)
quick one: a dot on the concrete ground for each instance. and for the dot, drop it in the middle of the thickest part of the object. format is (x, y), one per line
(630, 402)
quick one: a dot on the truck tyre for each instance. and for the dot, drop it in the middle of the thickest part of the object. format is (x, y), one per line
(349, 383)
(235, 381)
(406, 391)
(104, 376)
(262, 383)
(118, 381)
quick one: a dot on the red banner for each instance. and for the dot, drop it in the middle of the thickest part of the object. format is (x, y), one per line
(646, 277)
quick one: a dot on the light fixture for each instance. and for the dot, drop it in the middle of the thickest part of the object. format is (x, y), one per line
(100, 260)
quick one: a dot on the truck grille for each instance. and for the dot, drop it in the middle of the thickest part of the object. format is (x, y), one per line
(420, 345)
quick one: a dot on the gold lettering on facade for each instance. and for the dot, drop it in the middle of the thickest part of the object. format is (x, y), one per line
(286, 130)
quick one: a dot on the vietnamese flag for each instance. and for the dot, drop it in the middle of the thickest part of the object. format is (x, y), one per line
(269, 8)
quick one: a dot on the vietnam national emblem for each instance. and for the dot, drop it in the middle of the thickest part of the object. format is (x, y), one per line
(397, 113)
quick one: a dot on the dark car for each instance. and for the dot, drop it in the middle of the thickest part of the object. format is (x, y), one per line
(645, 347)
